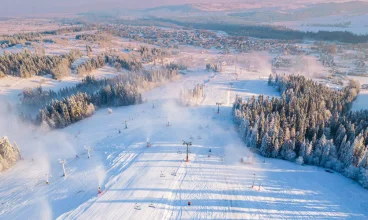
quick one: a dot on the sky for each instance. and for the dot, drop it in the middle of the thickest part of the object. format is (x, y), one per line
(29, 7)
(37, 7)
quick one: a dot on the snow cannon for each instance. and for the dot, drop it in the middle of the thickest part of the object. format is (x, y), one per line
(137, 207)
(173, 173)
(47, 178)
(243, 160)
(162, 174)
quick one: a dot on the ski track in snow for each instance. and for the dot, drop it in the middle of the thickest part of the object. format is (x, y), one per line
(216, 183)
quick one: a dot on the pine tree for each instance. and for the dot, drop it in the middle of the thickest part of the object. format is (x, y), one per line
(243, 128)
(270, 80)
(254, 136)
(9, 154)
(303, 150)
(342, 149)
(309, 152)
(364, 161)
(349, 154)
(266, 146)
(359, 148)
(363, 177)
(341, 133)
(276, 149)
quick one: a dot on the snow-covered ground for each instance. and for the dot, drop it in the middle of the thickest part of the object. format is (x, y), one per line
(361, 102)
(12, 87)
(357, 24)
(134, 177)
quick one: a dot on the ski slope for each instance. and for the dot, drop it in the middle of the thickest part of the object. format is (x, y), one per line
(140, 182)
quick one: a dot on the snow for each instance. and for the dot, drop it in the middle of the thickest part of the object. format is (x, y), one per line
(361, 102)
(356, 24)
(11, 87)
(216, 183)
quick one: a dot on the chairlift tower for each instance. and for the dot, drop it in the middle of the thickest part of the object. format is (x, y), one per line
(63, 162)
(218, 107)
(188, 144)
(88, 149)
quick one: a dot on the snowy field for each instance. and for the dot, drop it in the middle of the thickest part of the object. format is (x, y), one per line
(362, 100)
(140, 182)
(357, 24)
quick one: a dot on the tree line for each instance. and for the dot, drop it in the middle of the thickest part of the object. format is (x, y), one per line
(124, 61)
(117, 60)
(122, 90)
(193, 96)
(153, 54)
(271, 32)
(96, 37)
(27, 64)
(38, 96)
(90, 65)
(310, 124)
(214, 67)
(21, 38)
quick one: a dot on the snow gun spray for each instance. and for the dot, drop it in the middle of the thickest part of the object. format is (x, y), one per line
(101, 174)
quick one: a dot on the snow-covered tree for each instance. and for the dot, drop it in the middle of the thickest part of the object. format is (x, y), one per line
(276, 148)
(363, 177)
(9, 154)
(299, 160)
(309, 121)
(266, 146)
(349, 154)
